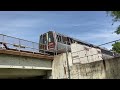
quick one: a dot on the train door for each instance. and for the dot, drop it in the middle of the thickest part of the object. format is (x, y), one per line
(59, 42)
(43, 42)
(51, 41)
(65, 43)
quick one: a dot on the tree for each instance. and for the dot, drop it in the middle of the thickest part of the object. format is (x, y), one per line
(116, 18)
(116, 47)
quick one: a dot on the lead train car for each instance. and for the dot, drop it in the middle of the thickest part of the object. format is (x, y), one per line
(55, 42)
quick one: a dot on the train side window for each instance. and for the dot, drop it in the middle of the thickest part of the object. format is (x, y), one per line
(68, 41)
(64, 40)
(59, 38)
(73, 41)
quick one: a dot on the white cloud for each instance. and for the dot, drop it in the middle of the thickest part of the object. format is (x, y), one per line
(98, 38)
(19, 26)
(21, 23)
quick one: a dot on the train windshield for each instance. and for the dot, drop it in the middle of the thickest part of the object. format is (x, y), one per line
(43, 39)
(43, 42)
(50, 37)
(46, 38)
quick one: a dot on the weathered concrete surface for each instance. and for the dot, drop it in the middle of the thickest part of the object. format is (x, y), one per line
(85, 54)
(93, 70)
(20, 73)
(24, 62)
(112, 67)
(59, 66)
(25, 53)
(103, 69)
(49, 75)
(13, 66)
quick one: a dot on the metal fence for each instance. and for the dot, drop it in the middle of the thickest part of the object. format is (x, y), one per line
(12, 43)
(9, 42)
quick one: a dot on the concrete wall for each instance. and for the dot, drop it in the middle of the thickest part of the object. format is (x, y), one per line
(94, 70)
(6, 73)
(59, 65)
(103, 69)
(112, 67)
(85, 54)
(12, 61)
(12, 66)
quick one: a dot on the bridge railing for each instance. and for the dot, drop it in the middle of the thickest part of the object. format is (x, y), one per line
(13, 43)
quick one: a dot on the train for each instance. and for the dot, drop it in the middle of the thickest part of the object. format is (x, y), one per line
(53, 41)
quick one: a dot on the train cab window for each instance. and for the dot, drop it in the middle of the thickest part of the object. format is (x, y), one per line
(41, 39)
(50, 37)
(44, 39)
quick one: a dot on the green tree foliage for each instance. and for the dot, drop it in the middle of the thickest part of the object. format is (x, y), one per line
(116, 18)
(116, 47)
(118, 30)
(115, 15)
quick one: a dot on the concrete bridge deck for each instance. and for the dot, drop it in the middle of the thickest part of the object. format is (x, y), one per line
(15, 64)
(27, 54)
(21, 59)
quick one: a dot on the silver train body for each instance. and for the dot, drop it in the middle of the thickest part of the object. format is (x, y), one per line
(62, 43)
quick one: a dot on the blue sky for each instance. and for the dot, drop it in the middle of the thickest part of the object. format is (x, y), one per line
(90, 26)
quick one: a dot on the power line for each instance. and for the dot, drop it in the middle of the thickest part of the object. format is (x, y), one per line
(109, 42)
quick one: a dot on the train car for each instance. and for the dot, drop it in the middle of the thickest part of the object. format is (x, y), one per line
(55, 42)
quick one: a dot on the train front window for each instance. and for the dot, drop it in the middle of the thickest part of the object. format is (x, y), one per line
(44, 39)
(50, 37)
(41, 39)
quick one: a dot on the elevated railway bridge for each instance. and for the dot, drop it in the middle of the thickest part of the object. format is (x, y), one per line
(24, 59)
(21, 59)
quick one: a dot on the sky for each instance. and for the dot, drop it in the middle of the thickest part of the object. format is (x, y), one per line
(91, 26)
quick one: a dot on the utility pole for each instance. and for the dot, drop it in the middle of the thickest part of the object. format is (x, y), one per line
(67, 61)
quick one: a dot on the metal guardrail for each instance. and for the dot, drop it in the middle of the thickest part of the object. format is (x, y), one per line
(9, 42)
